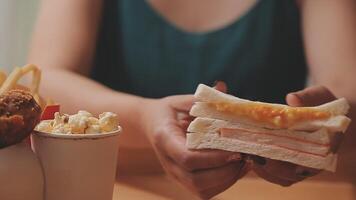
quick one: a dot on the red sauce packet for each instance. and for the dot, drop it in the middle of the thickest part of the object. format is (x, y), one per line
(49, 111)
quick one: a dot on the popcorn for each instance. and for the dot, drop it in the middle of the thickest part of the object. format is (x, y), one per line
(81, 123)
(61, 128)
(107, 121)
(58, 119)
(93, 129)
(78, 123)
(84, 113)
(93, 121)
(45, 126)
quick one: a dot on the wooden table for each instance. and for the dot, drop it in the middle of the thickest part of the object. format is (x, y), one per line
(159, 187)
(142, 178)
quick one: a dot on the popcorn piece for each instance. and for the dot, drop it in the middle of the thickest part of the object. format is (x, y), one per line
(108, 121)
(93, 121)
(62, 129)
(93, 129)
(78, 123)
(84, 113)
(58, 119)
(45, 126)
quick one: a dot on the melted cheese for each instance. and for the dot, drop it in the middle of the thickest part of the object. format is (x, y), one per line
(278, 117)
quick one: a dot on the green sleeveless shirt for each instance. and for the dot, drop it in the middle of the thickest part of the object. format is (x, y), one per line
(260, 56)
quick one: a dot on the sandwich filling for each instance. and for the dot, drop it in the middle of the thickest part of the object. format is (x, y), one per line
(277, 117)
(286, 142)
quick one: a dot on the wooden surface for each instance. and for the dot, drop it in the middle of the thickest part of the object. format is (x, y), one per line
(141, 177)
(144, 161)
(159, 187)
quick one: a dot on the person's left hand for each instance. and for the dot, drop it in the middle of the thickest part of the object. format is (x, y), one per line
(205, 173)
(285, 173)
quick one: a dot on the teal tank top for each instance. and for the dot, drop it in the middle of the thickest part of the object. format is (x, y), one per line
(260, 56)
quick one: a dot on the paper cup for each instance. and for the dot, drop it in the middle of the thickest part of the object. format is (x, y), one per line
(77, 166)
(21, 175)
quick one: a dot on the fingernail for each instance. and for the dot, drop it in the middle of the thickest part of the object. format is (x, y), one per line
(234, 157)
(259, 160)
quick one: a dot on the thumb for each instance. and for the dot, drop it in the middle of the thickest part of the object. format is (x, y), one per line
(181, 102)
(185, 102)
(311, 96)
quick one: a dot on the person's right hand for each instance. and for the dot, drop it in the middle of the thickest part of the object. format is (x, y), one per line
(285, 173)
(205, 172)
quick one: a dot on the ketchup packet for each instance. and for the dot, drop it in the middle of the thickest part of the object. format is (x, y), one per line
(49, 111)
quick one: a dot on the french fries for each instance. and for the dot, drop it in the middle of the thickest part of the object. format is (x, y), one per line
(11, 82)
(2, 78)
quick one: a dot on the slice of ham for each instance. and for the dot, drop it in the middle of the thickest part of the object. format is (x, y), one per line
(266, 138)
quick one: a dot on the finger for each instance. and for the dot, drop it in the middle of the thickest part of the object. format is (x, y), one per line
(245, 169)
(171, 142)
(221, 86)
(271, 178)
(181, 103)
(282, 171)
(184, 116)
(208, 194)
(301, 173)
(306, 171)
(211, 192)
(184, 124)
(312, 96)
(184, 120)
(203, 180)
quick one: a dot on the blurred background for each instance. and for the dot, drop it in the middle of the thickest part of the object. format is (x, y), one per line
(16, 22)
(17, 18)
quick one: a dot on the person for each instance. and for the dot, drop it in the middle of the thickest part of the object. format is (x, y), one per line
(144, 59)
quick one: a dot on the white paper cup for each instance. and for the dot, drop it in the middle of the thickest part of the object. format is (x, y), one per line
(21, 175)
(77, 166)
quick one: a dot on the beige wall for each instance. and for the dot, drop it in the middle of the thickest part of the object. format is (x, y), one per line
(16, 22)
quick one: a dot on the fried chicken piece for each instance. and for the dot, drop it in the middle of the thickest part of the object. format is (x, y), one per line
(19, 114)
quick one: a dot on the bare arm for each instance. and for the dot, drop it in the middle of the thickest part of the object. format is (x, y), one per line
(63, 45)
(65, 34)
(330, 40)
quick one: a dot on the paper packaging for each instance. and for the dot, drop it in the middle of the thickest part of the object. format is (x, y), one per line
(20, 173)
(77, 166)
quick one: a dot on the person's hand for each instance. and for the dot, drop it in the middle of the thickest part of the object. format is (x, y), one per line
(284, 173)
(205, 172)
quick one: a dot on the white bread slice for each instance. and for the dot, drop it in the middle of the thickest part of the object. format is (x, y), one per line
(204, 125)
(206, 95)
(214, 141)
(278, 141)
(334, 124)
